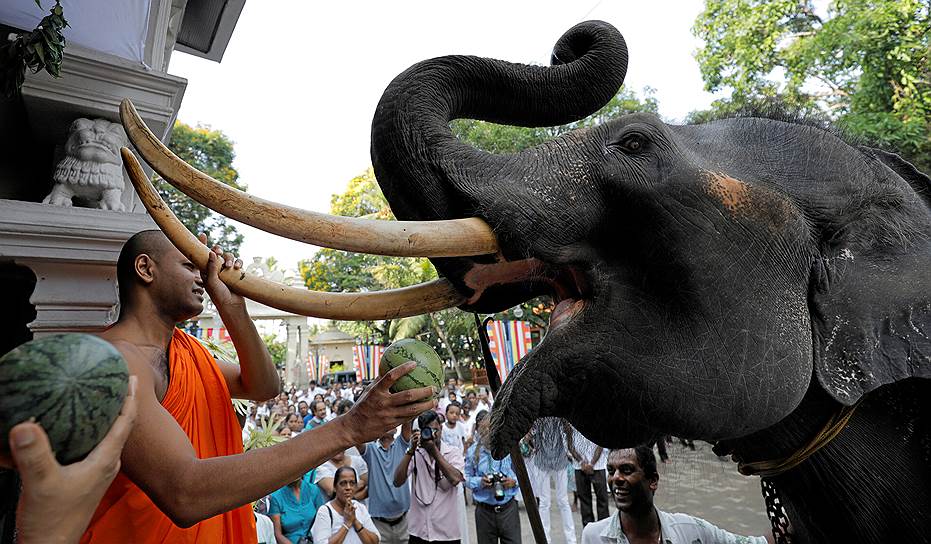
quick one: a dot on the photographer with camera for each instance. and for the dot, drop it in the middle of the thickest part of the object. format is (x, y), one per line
(437, 470)
(494, 485)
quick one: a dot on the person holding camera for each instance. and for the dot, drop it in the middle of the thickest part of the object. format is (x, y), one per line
(494, 485)
(436, 471)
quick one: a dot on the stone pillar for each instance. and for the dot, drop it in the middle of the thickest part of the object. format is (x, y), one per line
(296, 358)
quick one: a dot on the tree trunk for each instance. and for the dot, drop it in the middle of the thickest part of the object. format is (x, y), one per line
(449, 349)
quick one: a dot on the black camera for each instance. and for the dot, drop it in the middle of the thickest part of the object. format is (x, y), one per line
(497, 481)
(426, 434)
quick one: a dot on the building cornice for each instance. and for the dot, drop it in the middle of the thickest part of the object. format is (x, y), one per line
(44, 232)
(92, 85)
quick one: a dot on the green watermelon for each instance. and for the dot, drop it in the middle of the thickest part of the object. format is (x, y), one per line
(72, 384)
(429, 371)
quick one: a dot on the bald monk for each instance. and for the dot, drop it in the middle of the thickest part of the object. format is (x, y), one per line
(184, 477)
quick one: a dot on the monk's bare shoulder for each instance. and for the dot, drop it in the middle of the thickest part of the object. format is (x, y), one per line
(149, 363)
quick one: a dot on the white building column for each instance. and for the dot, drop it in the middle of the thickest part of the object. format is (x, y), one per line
(296, 358)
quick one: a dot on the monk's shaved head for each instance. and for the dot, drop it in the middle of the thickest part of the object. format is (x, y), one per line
(153, 243)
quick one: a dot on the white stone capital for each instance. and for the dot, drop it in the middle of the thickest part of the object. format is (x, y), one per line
(73, 253)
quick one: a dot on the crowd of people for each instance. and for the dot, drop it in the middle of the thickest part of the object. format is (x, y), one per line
(411, 484)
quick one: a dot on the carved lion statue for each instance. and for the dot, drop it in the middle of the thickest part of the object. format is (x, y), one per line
(92, 168)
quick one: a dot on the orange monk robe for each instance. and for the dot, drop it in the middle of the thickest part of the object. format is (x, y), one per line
(199, 400)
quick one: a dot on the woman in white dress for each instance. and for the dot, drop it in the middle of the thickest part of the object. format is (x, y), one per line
(344, 520)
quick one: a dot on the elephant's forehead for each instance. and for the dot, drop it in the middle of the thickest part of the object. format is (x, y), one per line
(742, 200)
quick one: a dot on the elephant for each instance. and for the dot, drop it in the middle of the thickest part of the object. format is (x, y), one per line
(760, 283)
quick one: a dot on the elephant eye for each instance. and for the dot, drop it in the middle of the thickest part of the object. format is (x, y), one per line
(632, 143)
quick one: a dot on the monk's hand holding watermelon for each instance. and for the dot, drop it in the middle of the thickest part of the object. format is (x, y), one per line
(66, 494)
(380, 410)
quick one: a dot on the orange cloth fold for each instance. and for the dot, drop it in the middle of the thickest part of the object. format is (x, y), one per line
(199, 400)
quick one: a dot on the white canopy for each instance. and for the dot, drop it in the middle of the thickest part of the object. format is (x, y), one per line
(117, 28)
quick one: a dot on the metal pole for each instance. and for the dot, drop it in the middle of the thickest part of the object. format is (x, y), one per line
(517, 460)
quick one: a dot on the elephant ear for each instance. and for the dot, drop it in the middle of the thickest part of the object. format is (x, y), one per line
(871, 310)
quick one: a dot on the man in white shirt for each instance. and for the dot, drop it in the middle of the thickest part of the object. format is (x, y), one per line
(588, 460)
(633, 478)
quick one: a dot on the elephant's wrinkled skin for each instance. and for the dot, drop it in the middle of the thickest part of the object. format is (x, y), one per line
(737, 281)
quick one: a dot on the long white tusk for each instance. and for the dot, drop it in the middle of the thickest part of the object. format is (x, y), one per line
(449, 238)
(393, 303)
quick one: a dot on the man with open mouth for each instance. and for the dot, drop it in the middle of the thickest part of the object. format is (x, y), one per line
(633, 479)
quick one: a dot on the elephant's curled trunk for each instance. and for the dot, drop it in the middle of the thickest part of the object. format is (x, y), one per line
(416, 158)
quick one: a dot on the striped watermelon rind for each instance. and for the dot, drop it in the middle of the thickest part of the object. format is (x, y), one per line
(73, 384)
(429, 370)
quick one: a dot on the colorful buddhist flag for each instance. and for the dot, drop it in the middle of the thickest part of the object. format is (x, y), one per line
(365, 358)
(509, 342)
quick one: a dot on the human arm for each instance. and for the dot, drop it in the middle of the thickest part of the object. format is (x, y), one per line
(570, 443)
(407, 430)
(66, 494)
(362, 489)
(255, 377)
(400, 473)
(188, 489)
(709, 532)
(452, 474)
(597, 455)
(326, 486)
(365, 527)
(476, 479)
(279, 534)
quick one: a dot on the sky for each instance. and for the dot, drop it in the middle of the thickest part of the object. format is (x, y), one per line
(300, 80)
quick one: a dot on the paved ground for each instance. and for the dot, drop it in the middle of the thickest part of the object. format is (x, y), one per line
(694, 482)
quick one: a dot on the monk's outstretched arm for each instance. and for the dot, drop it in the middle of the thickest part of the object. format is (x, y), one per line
(159, 458)
(255, 377)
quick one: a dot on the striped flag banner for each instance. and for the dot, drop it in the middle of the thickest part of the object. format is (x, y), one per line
(373, 358)
(519, 332)
(509, 342)
(358, 361)
(366, 357)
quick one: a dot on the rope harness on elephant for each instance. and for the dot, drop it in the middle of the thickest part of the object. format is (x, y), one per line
(768, 469)
(775, 467)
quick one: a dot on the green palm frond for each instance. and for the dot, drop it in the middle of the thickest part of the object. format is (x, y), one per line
(408, 327)
(263, 435)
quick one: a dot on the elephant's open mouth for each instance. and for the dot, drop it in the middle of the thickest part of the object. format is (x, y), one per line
(572, 289)
(568, 285)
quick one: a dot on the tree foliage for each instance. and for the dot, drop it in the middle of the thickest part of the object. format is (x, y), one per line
(866, 64)
(510, 139)
(211, 152)
(41, 49)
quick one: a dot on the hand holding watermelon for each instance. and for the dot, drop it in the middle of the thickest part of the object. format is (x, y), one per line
(71, 384)
(427, 373)
(380, 410)
(67, 494)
